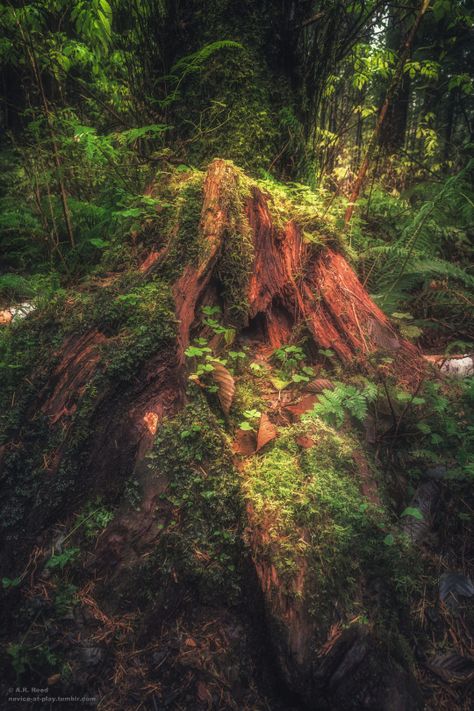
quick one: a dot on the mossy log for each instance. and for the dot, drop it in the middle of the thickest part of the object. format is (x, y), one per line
(85, 432)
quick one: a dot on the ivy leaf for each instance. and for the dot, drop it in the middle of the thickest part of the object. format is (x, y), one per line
(193, 352)
(60, 560)
(210, 310)
(252, 414)
(299, 378)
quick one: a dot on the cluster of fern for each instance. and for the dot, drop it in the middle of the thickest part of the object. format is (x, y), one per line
(415, 253)
(344, 400)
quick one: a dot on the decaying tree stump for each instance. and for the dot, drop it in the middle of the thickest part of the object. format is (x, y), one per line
(288, 286)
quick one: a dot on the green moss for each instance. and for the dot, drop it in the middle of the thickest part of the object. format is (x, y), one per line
(311, 489)
(27, 354)
(235, 264)
(142, 322)
(232, 102)
(28, 491)
(183, 228)
(310, 504)
(247, 396)
(138, 323)
(201, 543)
(312, 209)
(94, 517)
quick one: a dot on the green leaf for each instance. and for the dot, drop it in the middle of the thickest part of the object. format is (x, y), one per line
(246, 426)
(299, 378)
(327, 352)
(229, 335)
(389, 540)
(60, 560)
(279, 383)
(236, 354)
(424, 427)
(412, 511)
(99, 243)
(210, 310)
(193, 352)
(252, 414)
(400, 315)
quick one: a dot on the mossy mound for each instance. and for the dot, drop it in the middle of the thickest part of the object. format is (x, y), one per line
(119, 463)
(324, 541)
(202, 541)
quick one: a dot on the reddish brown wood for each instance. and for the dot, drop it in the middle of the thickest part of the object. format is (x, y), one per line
(292, 284)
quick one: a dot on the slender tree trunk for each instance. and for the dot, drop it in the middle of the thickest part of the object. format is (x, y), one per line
(392, 135)
(404, 54)
(56, 158)
(448, 134)
(30, 51)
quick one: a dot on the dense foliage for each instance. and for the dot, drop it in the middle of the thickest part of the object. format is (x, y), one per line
(101, 98)
(152, 431)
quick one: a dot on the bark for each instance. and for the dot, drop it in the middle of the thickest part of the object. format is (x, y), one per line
(449, 125)
(291, 285)
(392, 135)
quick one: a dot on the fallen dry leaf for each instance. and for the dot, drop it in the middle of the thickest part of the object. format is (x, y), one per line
(225, 384)
(305, 441)
(245, 443)
(318, 385)
(203, 692)
(266, 431)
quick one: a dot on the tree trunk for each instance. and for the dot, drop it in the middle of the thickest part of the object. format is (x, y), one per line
(392, 135)
(392, 90)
